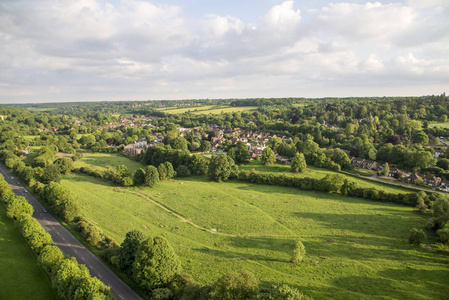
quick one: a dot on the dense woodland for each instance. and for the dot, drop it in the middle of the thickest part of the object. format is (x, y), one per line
(395, 132)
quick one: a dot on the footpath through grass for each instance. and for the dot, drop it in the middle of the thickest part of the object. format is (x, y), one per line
(20, 276)
(356, 249)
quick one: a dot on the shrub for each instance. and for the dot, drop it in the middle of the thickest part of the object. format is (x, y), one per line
(298, 251)
(416, 236)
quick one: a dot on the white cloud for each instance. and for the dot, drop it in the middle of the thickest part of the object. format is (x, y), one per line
(96, 48)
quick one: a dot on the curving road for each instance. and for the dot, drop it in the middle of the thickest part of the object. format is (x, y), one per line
(69, 244)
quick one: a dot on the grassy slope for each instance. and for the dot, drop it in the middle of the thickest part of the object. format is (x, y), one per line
(320, 173)
(355, 248)
(209, 109)
(101, 161)
(21, 278)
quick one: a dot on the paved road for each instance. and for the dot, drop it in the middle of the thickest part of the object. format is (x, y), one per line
(69, 244)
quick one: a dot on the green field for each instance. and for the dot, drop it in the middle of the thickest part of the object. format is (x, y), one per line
(20, 276)
(208, 109)
(356, 249)
(319, 173)
(102, 161)
(441, 125)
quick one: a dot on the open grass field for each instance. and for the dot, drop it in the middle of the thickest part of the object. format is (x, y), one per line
(20, 276)
(102, 161)
(208, 109)
(356, 249)
(319, 173)
(441, 125)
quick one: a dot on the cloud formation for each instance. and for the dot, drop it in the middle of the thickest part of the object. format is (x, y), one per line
(56, 50)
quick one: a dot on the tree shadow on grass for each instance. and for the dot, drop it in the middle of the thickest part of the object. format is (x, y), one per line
(238, 255)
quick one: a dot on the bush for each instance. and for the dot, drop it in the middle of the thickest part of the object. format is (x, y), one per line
(241, 285)
(182, 171)
(298, 251)
(416, 236)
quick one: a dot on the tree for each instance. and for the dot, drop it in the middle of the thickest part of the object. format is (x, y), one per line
(441, 211)
(332, 183)
(182, 171)
(241, 285)
(205, 146)
(155, 264)
(443, 233)
(242, 154)
(386, 170)
(64, 164)
(162, 170)
(200, 164)
(139, 176)
(51, 173)
(298, 163)
(420, 137)
(231, 153)
(416, 236)
(170, 171)
(298, 251)
(129, 247)
(268, 156)
(151, 176)
(49, 257)
(284, 292)
(220, 167)
(17, 206)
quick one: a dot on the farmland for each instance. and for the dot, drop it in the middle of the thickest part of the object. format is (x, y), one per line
(208, 109)
(102, 161)
(21, 277)
(319, 173)
(355, 248)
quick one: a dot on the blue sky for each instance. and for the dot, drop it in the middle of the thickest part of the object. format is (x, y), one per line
(91, 50)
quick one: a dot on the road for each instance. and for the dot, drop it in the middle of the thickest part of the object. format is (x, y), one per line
(69, 244)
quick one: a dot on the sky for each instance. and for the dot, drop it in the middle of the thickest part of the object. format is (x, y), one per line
(109, 50)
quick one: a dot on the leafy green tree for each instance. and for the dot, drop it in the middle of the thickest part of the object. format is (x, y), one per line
(332, 183)
(65, 165)
(283, 292)
(441, 211)
(155, 264)
(386, 170)
(416, 236)
(205, 146)
(128, 248)
(443, 233)
(170, 171)
(268, 156)
(17, 206)
(298, 163)
(231, 153)
(242, 154)
(298, 251)
(162, 170)
(139, 176)
(151, 176)
(231, 286)
(49, 257)
(220, 167)
(420, 137)
(51, 173)
(182, 171)
(200, 164)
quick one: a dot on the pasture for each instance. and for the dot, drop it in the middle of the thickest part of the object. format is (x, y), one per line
(440, 125)
(21, 277)
(356, 249)
(102, 161)
(208, 109)
(319, 173)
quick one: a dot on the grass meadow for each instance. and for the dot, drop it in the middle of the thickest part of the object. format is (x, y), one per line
(356, 249)
(319, 173)
(102, 161)
(441, 125)
(208, 109)
(21, 277)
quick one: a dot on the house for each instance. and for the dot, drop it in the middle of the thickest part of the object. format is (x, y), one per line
(414, 178)
(357, 161)
(432, 181)
(394, 172)
(369, 164)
